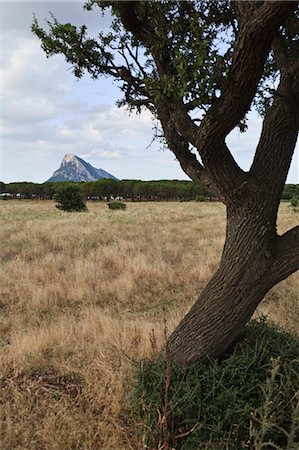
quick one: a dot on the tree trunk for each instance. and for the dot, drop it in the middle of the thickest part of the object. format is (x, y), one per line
(232, 295)
(254, 258)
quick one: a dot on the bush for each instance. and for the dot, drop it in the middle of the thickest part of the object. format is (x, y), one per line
(294, 202)
(70, 198)
(246, 401)
(116, 205)
(200, 198)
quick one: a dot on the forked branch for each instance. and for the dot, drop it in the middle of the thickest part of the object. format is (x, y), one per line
(255, 34)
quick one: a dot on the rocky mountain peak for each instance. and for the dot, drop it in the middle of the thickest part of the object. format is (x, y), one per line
(73, 168)
(69, 157)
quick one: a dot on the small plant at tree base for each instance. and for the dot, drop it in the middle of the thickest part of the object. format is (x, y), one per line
(70, 198)
(248, 400)
(117, 205)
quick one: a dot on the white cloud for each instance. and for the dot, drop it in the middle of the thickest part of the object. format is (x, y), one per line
(102, 154)
(26, 71)
(47, 113)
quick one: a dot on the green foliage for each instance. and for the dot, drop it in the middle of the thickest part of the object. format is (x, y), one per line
(200, 198)
(192, 35)
(290, 191)
(197, 37)
(294, 202)
(130, 189)
(116, 205)
(70, 198)
(247, 400)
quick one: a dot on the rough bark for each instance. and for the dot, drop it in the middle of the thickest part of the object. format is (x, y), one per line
(253, 261)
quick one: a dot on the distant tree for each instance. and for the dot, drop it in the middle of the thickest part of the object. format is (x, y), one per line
(107, 187)
(199, 66)
(26, 189)
(46, 190)
(295, 202)
(70, 198)
(290, 191)
(2, 187)
(127, 188)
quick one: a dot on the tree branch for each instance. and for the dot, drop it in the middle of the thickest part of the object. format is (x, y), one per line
(180, 147)
(135, 59)
(251, 50)
(141, 29)
(250, 53)
(287, 255)
(280, 132)
(280, 52)
(234, 176)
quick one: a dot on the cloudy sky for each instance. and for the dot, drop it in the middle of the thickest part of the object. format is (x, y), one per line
(46, 113)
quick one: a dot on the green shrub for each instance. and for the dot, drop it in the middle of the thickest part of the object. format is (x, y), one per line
(246, 401)
(70, 198)
(200, 198)
(295, 202)
(116, 205)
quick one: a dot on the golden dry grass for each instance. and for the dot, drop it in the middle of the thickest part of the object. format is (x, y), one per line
(79, 297)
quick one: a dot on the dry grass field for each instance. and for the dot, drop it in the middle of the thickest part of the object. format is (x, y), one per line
(80, 298)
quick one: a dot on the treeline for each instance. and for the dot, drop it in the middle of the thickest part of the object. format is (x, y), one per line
(290, 191)
(106, 188)
(135, 190)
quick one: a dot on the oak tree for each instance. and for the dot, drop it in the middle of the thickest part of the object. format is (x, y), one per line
(199, 66)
